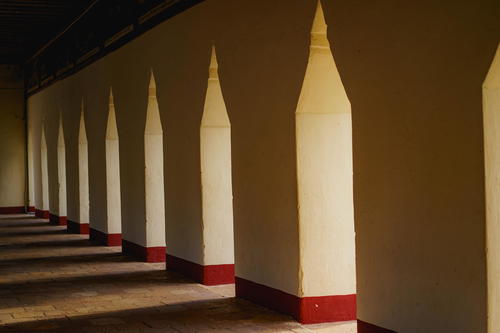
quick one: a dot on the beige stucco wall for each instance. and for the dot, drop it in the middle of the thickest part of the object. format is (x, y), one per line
(12, 138)
(413, 73)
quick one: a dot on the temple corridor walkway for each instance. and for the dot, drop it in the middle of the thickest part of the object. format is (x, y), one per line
(52, 281)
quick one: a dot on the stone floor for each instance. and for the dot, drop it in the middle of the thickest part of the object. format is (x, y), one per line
(52, 281)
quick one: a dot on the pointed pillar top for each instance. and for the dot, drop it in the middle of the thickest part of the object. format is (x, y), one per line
(82, 113)
(319, 28)
(82, 134)
(43, 138)
(214, 65)
(152, 85)
(111, 98)
(60, 135)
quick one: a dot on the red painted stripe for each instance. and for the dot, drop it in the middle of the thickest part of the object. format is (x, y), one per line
(102, 238)
(78, 228)
(12, 210)
(209, 275)
(218, 274)
(31, 209)
(43, 214)
(364, 327)
(58, 220)
(147, 254)
(325, 309)
(307, 310)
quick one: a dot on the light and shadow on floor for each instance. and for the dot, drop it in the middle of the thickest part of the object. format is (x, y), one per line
(52, 281)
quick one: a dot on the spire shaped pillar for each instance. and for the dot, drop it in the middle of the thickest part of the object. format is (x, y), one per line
(216, 265)
(146, 239)
(308, 265)
(80, 224)
(44, 212)
(109, 232)
(59, 217)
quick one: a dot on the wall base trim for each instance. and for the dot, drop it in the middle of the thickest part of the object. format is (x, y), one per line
(306, 310)
(43, 214)
(143, 253)
(78, 228)
(58, 220)
(209, 275)
(31, 209)
(364, 327)
(102, 238)
(13, 210)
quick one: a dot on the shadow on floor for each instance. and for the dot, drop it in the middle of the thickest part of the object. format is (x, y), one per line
(217, 315)
(71, 259)
(24, 223)
(68, 287)
(48, 243)
(34, 232)
(22, 217)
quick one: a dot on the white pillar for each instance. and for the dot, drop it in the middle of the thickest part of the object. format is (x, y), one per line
(148, 242)
(83, 168)
(310, 272)
(217, 196)
(491, 107)
(44, 212)
(81, 225)
(324, 167)
(31, 170)
(60, 217)
(113, 195)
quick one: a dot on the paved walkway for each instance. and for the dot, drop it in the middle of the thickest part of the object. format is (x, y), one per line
(52, 281)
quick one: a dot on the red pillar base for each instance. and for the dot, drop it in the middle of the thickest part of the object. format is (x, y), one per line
(210, 275)
(147, 254)
(306, 310)
(12, 210)
(364, 327)
(102, 238)
(58, 220)
(43, 214)
(31, 209)
(78, 228)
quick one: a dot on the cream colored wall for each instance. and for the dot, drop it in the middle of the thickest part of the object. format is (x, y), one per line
(413, 73)
(12, 138)
(491, 103)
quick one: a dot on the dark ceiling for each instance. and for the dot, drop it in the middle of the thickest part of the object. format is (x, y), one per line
(26, 25)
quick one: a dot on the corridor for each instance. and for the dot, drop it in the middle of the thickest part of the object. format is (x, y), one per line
(53, 281)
